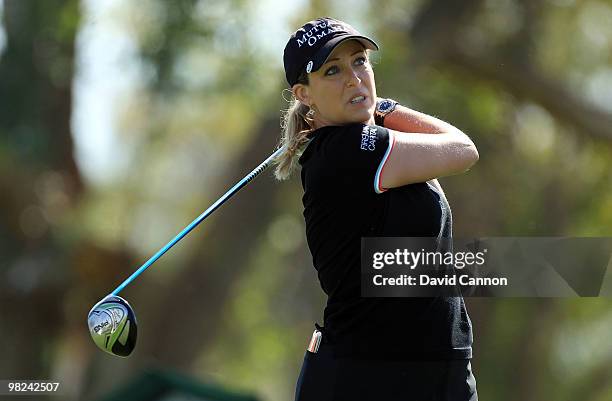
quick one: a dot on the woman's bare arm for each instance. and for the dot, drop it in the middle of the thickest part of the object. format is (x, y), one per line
(419, 158)
(405, 119)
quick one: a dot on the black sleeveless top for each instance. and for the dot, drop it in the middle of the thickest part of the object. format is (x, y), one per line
(343, 202)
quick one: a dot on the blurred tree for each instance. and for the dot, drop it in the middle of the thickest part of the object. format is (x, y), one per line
(200, 287)
(512, 74)
(474, 63)
(39, 180)
(445, 36)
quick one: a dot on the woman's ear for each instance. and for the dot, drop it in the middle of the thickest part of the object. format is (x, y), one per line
(301, 93)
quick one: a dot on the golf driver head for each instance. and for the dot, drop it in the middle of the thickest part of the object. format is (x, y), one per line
(112, 325)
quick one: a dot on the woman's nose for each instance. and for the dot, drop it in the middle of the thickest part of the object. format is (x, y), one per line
(353, 78)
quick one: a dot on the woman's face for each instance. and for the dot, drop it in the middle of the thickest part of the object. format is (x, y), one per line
(343, 90)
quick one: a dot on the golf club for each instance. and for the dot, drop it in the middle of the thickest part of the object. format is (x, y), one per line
(112, 322)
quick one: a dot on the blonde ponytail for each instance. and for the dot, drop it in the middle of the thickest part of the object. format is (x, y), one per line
(295, 125)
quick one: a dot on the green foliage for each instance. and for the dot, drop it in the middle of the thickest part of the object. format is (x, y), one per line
(206, 82)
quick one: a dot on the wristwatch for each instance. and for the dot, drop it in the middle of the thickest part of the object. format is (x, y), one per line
(383, 107)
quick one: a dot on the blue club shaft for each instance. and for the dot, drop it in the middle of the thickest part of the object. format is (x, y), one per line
(198, 220)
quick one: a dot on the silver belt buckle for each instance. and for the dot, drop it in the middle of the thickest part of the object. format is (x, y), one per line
(315, 341)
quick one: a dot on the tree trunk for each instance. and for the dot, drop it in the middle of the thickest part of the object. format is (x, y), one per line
(39, 180)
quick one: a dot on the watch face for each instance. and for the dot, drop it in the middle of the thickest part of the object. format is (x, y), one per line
(384, 106)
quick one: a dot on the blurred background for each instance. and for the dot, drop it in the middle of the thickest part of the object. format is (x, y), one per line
(121, 121)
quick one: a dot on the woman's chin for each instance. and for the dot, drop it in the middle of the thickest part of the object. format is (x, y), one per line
(365, 118)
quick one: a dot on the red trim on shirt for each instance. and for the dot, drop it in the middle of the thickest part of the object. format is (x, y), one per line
(380, 188)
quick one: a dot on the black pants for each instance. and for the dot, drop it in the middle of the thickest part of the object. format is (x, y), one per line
(325, 378)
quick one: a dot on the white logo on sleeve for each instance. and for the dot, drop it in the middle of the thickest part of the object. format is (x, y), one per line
(368, 138)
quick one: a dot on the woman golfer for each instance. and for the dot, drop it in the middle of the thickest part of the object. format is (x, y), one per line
(369, 169)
